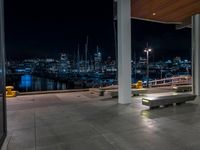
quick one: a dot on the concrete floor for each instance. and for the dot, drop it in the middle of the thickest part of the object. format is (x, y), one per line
(84, 121)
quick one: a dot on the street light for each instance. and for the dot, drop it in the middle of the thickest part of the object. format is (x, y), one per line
(147, 50)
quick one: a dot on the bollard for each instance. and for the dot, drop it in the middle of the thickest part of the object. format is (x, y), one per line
(9, 92)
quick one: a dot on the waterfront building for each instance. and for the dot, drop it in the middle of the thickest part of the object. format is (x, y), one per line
(177, 60)
(98, 61)
(64, 64)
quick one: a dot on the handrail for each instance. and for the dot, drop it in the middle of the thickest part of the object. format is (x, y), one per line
(179, 80)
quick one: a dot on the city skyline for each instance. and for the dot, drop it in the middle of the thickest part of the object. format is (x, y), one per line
(81, 73)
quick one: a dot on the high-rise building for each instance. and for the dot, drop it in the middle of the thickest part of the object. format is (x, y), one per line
(86, 55)
(97, 60)
(78, 59)
(64, 64)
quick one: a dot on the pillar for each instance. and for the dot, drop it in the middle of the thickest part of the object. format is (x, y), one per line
(196, 54)
(124, 50)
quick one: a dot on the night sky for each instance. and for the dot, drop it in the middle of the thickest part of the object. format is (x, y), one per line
(41, 28)
(165, 40)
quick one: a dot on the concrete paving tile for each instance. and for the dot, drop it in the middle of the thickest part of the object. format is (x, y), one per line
(53, 147)
(79, 129)
(96, 143)
(23, 142)
(140, 140)
(24, 132)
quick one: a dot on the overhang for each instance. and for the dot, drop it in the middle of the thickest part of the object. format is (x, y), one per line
(165, 11)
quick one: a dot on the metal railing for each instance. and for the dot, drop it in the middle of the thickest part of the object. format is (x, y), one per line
(172, 81)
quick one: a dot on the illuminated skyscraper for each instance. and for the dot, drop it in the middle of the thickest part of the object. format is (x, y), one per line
(97, 60)
(78, 59)
(64, 64)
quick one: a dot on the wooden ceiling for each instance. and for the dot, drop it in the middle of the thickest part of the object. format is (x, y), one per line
(167, 11)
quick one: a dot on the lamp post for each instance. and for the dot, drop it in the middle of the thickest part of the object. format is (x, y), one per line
(147, 50)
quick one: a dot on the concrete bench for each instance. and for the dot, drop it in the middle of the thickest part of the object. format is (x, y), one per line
(99, 91)
(136, 92)
(156, 102)
(114, 93)
(184, 88)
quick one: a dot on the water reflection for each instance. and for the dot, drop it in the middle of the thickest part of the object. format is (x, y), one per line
(26, 81)
(32, 83)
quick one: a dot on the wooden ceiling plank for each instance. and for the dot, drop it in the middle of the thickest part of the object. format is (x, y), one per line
(166, 10)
